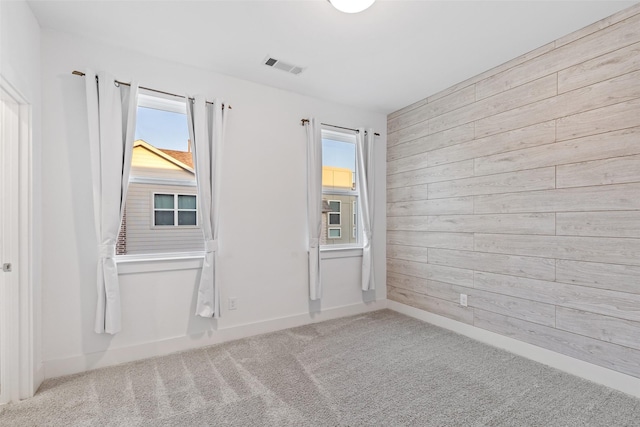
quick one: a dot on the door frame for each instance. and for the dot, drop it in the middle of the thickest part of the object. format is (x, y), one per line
(18, 325)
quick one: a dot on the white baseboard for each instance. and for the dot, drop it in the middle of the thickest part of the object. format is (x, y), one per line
(586, 370)
(87, 362)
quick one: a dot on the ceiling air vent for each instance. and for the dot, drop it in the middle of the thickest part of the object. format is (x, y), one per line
(281, 65)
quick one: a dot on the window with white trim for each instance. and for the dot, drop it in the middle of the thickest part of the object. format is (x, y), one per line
(335, 233)
(161, 214)
(335, 214)
(339, 189)
(354, 223)
(174, 210)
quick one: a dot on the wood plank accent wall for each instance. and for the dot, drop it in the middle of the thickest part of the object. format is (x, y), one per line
(520, 187)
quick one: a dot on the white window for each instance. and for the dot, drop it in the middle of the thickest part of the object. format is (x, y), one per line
(354, 227)
(335, 233)
(161, 213)
(339, 187)
(175, 210)
(335, 214)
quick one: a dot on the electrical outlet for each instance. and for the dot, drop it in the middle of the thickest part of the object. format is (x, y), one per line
(233, 303)
(463, 300)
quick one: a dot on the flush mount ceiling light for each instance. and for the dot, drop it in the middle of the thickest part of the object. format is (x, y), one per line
(351, 6)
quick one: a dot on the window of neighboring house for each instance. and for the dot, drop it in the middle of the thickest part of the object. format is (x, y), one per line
(176, 210)
(335, 233)
(161, 213)
(339, 188)
(354, 225)
(335, 212)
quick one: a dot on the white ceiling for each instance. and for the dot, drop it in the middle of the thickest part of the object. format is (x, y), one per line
(391, 55)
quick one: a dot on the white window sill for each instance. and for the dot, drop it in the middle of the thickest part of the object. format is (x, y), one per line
(147, 263)
(132, 264)
(337, 251)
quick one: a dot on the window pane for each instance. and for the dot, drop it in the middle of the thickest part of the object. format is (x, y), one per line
(186, 202)
(338, 164)
(340, 228)
(334, 233)
(186, 218)
(163, 217)
(162, 129)
(339, 167)
(334, 218)
(163, 201)
(152, 222)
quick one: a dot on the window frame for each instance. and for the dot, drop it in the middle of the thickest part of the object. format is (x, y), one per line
(338, 213)
(175, 259)
(176, 210)
(347, 137)
(354, 224)
(334, 228)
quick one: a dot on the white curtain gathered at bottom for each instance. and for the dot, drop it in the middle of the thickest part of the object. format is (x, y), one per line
(111, 111)
(206, 123)
(314, 205)
(365, 183)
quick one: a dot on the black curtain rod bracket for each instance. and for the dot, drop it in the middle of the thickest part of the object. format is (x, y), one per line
(303, 121)
(118, 83)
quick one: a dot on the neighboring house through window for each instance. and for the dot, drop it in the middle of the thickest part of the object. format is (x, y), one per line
(161, 213)
(339, 188)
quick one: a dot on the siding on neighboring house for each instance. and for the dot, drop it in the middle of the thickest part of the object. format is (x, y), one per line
(521, 188)
(141, 236)
(347, 223)
(147, 164)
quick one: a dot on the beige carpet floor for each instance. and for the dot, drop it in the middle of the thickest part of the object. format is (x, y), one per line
(376, 369)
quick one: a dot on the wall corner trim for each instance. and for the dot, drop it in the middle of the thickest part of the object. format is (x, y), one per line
(597, 374)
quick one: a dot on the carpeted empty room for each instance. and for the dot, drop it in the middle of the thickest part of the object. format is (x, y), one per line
(381, 368)
(320, 213)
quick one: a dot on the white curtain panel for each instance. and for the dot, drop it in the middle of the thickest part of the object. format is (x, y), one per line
(206, 123)
(365, 182)
(314, 205)
(111, 110)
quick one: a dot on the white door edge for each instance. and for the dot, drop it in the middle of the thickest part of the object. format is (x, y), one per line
(16, 296)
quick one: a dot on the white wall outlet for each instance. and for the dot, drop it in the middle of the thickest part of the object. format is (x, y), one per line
(463, 300)
(233, 303)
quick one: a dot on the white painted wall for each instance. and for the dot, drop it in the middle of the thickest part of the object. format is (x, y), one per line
(20, 66)
(262, 258)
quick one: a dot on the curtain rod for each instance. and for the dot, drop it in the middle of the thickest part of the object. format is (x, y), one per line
(303, 121)
(81, 74)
